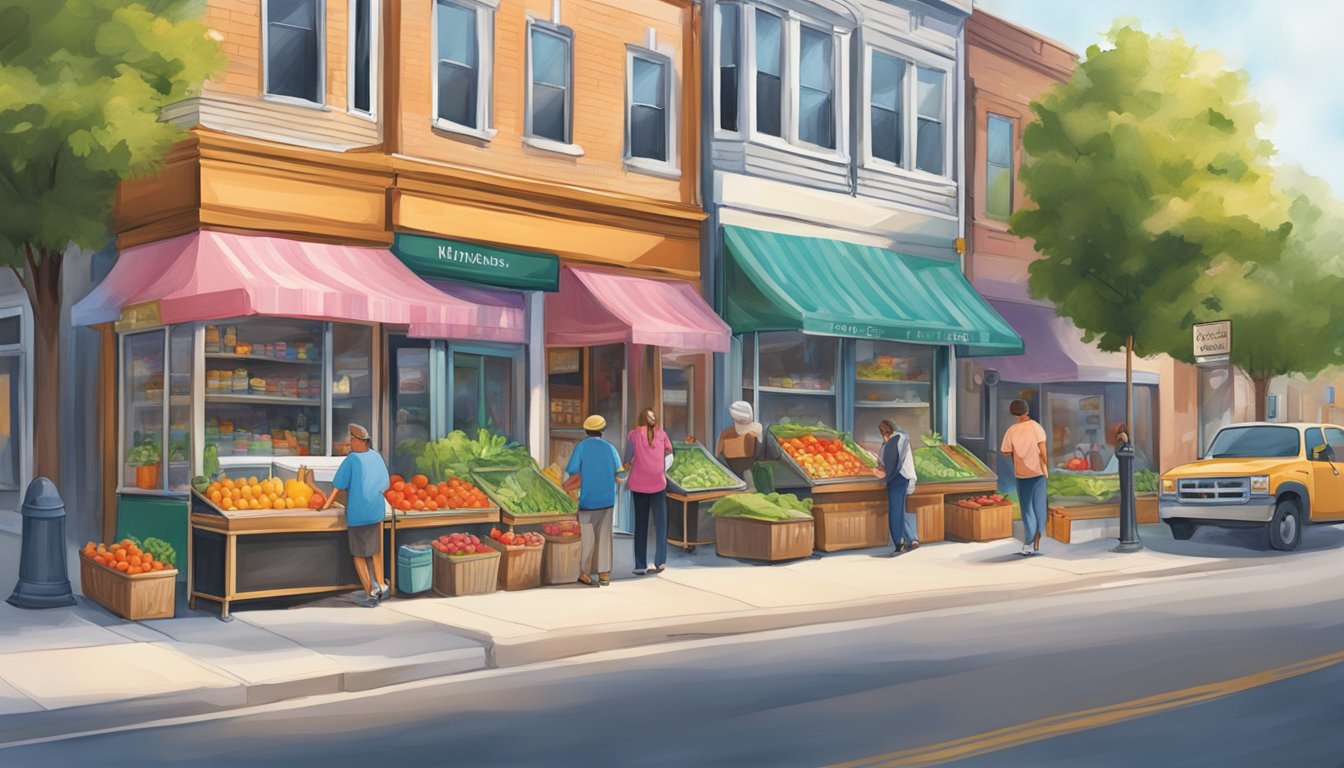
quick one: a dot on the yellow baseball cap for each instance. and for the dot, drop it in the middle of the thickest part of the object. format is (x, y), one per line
(594, 423)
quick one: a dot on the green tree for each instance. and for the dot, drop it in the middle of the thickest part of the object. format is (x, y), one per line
(81, 87)
(1145, 169)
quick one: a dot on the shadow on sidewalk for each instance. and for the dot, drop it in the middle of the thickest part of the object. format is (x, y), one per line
(1239, 543)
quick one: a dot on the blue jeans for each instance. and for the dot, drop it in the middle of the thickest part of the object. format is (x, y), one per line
(647, 504)
(900, 522)
(1031, 497)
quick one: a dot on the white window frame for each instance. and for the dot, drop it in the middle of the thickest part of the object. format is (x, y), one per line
(266, 94)
(742, 108)
(567, 147)
(375, 57)
(24, 434)
(485, 70)
(990, 116)
(790, 141)
(666, 168)
(914, 61)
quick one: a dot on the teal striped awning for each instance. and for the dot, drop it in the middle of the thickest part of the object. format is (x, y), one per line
(776, 282)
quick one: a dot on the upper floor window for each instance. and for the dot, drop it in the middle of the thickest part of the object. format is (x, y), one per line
(363, 55)
(550, 84)
(294, 48)
(907, 113)
(649, 81)
(816, 88)
(999, 167)
(730, 56)
(769, 73)
(462, 54)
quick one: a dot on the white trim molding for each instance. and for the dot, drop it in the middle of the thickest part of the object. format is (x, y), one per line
(320, 22)
(485, 70)
(375, 59)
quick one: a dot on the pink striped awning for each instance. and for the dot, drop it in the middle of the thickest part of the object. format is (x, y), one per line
(596, 307)
(219, 275)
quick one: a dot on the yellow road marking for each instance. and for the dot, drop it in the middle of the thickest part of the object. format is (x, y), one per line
(1087, 719)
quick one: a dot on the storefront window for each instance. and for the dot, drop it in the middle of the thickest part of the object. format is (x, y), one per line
(142, 420)
(970, 417)
(1082, 421)
(351, 384)
(180, 359)
(893, 381)
(683, 390)
(11, 404)
(483, 387)
(797, 378)
(264, 386)
(607, 381)
(410, 400)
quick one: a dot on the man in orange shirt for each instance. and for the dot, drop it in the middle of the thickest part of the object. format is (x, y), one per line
(1025, 443)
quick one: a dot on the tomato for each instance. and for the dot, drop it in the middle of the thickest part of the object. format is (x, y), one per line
(390, 495)
(397, 479)
(441, 500)
(399, 486)
(404, 505)
(418, 504)
(431, 506)
(419, 481)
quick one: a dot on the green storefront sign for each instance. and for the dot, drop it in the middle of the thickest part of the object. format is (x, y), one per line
(473, 263)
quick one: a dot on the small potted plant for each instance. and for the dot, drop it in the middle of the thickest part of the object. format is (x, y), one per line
(146, 458)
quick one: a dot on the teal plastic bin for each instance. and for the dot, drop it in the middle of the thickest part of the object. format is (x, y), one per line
(415, 568)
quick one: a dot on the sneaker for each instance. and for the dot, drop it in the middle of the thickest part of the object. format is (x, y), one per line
(660, 569)
(1026, 551)
(913, 545)
(640, 571)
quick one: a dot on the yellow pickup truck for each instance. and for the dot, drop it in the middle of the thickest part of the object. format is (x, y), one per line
(1279, 477)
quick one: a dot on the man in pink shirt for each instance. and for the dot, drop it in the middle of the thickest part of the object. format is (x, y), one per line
(1025, 443)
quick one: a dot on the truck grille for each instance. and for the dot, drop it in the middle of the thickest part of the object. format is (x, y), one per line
(1214, 490)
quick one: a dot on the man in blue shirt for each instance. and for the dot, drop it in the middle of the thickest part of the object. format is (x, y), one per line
(363, 476)
(593, 469)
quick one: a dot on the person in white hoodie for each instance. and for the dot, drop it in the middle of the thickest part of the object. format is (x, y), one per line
(740, 445)
(896, 467)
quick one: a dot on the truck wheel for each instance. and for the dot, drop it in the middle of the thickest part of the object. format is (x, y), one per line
(1285, 529)
(1181, 530)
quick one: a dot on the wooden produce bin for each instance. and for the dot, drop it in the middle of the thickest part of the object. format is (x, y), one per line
(469, 575)
(134, 597)
(928, 511)
(684, 513)
(520, 567)
(983, 524)
(850, 516)
(560, 559)
(750, 539)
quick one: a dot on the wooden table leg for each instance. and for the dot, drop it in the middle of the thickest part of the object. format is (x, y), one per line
(391, 558)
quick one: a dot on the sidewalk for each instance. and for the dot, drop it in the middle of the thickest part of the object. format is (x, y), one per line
(74, 669)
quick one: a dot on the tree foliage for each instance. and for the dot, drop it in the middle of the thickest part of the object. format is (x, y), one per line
(1145, 171)
(81, 87)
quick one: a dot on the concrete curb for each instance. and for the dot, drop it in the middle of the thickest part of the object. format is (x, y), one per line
(543, 647)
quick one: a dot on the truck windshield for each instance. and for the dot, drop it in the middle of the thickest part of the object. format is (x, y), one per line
(1256, 442)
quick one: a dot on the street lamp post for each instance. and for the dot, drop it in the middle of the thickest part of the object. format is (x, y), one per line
(1129, 524)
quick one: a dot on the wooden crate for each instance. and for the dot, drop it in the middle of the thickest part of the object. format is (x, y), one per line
(750, 539)
(135, 597)
(1145, 509)
(983, 524)
(520, 567)
(928, 511)
(470, 575)
(851, 525)
(560, 559)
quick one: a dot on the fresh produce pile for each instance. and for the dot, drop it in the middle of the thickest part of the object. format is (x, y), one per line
(419, 495)
(1146, 481)
(461, 545)
(457, 455)
(126, 556)
(526, 492)
(519, 540)
(932, 464)
(232, 495)
(823, 453)
(763, 506)
(1097, 487)
(565, 529)
(992, 500)
(693, 470)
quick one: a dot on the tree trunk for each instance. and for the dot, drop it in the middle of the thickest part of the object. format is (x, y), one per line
(44, 293)
(1261, 381)
(1129, 386)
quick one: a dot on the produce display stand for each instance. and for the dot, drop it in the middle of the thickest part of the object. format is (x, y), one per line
(431, 524)
(560, 559)
(131, 596)
(683, 512)
(849, 512)
(519, 567)
(511, 517)
(934, 496)
(770, 540)
(249, 555)
(469, 575)
(978, 524)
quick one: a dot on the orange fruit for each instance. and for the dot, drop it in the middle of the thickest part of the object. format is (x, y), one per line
(123, 565)
(215, 496)
(134, 560)
(134, 569)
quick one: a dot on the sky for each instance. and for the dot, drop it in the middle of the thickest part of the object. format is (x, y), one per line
(1286, 48)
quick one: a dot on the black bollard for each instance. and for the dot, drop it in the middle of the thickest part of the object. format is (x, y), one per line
(1129, 523)
(43, 581)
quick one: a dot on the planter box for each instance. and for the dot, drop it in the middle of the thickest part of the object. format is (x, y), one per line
(851, 525)
(928, 512)
(520, 567)
(983, 524)
(470, 575)
(560, 559)
(134, 597)
(750, 539)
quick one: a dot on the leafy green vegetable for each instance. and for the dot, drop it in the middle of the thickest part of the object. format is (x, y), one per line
(931, 439)
(524, 492)
(1146, 481)
(210, 462)
(933, 465)
(1097, 487)
(694, 471)
(458, 455)
(146, 454)
(161, 550)
(763, 506)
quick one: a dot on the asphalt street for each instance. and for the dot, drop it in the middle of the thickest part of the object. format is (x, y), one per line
(867, 691)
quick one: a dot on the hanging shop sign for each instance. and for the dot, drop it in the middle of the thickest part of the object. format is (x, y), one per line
(1213, 342)
(475, 263)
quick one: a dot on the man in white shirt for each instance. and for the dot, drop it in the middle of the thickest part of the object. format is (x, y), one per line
(897, 468)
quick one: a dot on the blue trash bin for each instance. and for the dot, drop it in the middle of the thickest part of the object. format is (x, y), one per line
(415, 568)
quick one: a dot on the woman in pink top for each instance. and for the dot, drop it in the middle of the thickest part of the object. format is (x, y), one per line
(648, 452)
